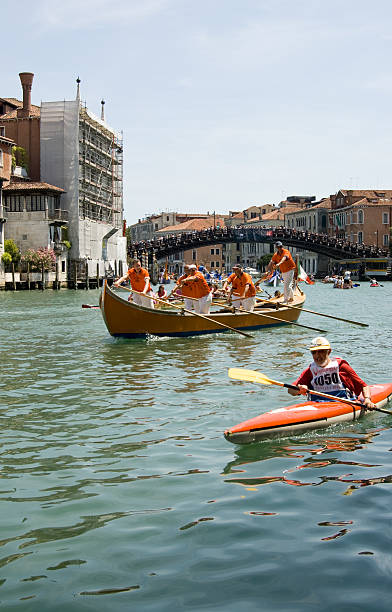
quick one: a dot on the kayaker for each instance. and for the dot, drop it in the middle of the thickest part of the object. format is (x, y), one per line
(332, 375)
(140, 281)
(283, 260)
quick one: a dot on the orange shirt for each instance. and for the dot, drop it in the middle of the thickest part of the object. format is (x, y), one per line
(138, 279)
(239, 283)
(195, 288)
(288, 264)
(186, 289)
(200, 285)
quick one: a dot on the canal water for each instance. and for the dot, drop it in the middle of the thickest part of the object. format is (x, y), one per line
(118, 490)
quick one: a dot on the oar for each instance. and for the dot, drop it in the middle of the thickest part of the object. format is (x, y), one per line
(258, 377)
(259, 314)
(89, 306)
(195, 314)
(321, 314)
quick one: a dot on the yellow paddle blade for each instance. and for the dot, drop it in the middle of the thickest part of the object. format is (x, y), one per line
(251, 376)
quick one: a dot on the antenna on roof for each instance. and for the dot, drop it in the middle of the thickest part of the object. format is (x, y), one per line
(78, 89)
(103, 110)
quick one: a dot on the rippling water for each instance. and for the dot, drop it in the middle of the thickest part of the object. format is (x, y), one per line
(119, 492)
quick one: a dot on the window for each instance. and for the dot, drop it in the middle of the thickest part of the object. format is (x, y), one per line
(35, 202)
(194, 254)
(212, 264)
(360, 218)
(216, 251)
(24, 237)
(14, 203)
(2, 130)
(212, 251)
(63, 266)
(385, 239)
(1, 158)
(385, 217)
(217, 264)
(156, 226)
(360, 237)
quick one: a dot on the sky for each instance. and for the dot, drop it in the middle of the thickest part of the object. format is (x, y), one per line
(223, 104)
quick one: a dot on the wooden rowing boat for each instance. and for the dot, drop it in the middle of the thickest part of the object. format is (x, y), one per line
(298, 418)
(127, 320)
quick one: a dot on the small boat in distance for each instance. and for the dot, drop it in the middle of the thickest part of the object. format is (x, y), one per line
(125, 319)
(252, 271)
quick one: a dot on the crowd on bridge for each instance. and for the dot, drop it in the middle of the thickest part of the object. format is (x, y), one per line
(244, 233)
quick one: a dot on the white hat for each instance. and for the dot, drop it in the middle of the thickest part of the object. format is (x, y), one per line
(192, 267)
(319, 343)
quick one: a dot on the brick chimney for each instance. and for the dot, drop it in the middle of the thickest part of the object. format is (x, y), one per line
(26, 78)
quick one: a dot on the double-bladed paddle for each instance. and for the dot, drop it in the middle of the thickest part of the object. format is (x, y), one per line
(258, 377)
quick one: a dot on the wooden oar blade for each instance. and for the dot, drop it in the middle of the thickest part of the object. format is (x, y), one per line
(249, 376)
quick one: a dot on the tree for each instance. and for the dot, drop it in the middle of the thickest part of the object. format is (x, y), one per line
(264, 261)
(20, 158)
(11, 252)
(41, 258)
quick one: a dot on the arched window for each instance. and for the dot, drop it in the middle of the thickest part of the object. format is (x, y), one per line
(360, 237)
(360, 217)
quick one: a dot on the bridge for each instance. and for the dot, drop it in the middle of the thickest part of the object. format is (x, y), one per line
(335, 248)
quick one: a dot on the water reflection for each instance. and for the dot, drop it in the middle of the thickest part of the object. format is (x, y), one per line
(310, 452)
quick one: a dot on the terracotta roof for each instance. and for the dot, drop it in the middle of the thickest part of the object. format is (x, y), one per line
(325, 203)
(193, 225)
(367, 202)
(35, 111)
(11, 101)
(280, 213)
(32, 186)
(7, 141)
(368, 193)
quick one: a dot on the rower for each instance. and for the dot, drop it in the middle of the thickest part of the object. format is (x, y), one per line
(282, 259)
(195, 290)
(140, 281)
(243, 291)
(332, 375)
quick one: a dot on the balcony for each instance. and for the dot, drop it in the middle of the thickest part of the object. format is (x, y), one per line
(58, 215)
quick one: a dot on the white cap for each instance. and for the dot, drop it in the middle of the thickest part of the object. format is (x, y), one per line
(319, 343)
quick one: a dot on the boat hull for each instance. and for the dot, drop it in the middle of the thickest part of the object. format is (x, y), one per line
(305, 416)
(127, 320)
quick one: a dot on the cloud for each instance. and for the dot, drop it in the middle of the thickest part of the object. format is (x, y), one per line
(91, 14)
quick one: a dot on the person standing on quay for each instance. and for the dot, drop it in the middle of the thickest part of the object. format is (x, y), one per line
(282, 259)
(140, 282)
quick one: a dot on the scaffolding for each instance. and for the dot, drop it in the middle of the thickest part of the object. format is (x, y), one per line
(100, 171)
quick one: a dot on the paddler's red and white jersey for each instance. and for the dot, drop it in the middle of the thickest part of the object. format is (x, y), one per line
(346, 376)
(326, 379)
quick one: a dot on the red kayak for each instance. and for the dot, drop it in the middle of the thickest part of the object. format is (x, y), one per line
(302, 417)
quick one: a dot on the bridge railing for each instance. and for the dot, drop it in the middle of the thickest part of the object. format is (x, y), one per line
(336, 248)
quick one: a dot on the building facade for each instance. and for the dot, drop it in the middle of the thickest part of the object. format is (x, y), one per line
(66, 149)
